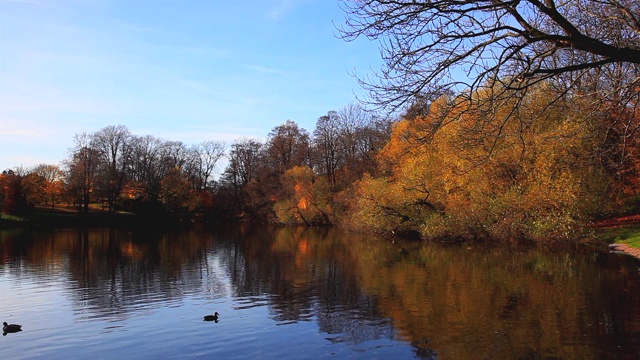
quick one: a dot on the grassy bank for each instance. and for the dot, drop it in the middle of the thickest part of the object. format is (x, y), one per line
(624, 234)
(66, 217)
(9, 221)
(96, 217)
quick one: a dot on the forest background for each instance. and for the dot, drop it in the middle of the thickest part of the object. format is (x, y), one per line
(538, 142)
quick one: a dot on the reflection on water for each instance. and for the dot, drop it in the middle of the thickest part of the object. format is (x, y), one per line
(308, 293)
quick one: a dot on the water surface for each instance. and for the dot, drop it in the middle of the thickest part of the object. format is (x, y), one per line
(307, 293)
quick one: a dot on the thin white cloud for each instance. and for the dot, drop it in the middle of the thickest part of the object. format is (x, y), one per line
(281, 8)
(265, 69)
(42, 3)
(10, 129)
(47, 99)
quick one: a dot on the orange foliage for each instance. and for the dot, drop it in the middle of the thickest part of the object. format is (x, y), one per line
(308, 202)
(513, 170)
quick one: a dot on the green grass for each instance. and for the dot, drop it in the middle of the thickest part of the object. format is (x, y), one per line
(629, 234)
(11, 220)
(8, 217)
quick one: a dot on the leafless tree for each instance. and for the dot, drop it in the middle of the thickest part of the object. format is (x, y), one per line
(204, 158)
(430, 47)
(362, 135)
(245, 160)
(83, 166)
(287, 146)
(326, 147)
(147, 168)
(114, 145)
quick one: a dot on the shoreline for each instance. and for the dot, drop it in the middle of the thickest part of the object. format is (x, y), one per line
(65, 217)
(626, 249)
(621, 233)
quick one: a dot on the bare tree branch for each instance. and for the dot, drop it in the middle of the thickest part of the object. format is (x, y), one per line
(430, 47)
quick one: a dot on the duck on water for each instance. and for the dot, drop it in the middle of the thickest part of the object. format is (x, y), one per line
(213, 317)
(10, 328)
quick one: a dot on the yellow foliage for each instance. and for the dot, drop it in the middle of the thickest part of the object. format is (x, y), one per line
(308, 200)
(511, 170)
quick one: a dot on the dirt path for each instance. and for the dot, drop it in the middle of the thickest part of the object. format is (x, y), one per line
(620, 222)
(626, 249)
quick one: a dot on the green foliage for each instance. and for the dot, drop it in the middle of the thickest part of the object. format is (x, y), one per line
(10, 220)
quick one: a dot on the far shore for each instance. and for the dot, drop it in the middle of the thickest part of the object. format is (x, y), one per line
(621, 233)
(68, 216)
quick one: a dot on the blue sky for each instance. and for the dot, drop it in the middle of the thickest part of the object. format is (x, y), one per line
(182, 70)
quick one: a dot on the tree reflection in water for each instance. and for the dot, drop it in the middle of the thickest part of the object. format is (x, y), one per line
(445, 301)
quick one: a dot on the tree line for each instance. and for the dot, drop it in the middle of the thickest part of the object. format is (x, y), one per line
(556, 165)
(119, 171)
(540, 140)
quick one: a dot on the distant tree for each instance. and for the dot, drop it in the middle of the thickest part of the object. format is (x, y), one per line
(34, 188)
(114, 145)
(12, 196)
(147, 167)
(175, 191)
(430, 47)
(287, 146)
(351, 120)
(326, 146)
(204, 157)
(246, 158)
(345, 143)
(244, 162)
(306, 199)
(43, 184)
(83, 169)
(362, 134)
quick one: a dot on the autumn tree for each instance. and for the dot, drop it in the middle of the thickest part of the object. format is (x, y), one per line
(541, 182)
(307, 198)
(44, 184)
(175, 192)
(12, 196)
(587, 52)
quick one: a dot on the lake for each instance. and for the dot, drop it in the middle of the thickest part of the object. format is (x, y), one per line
(308, 293)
